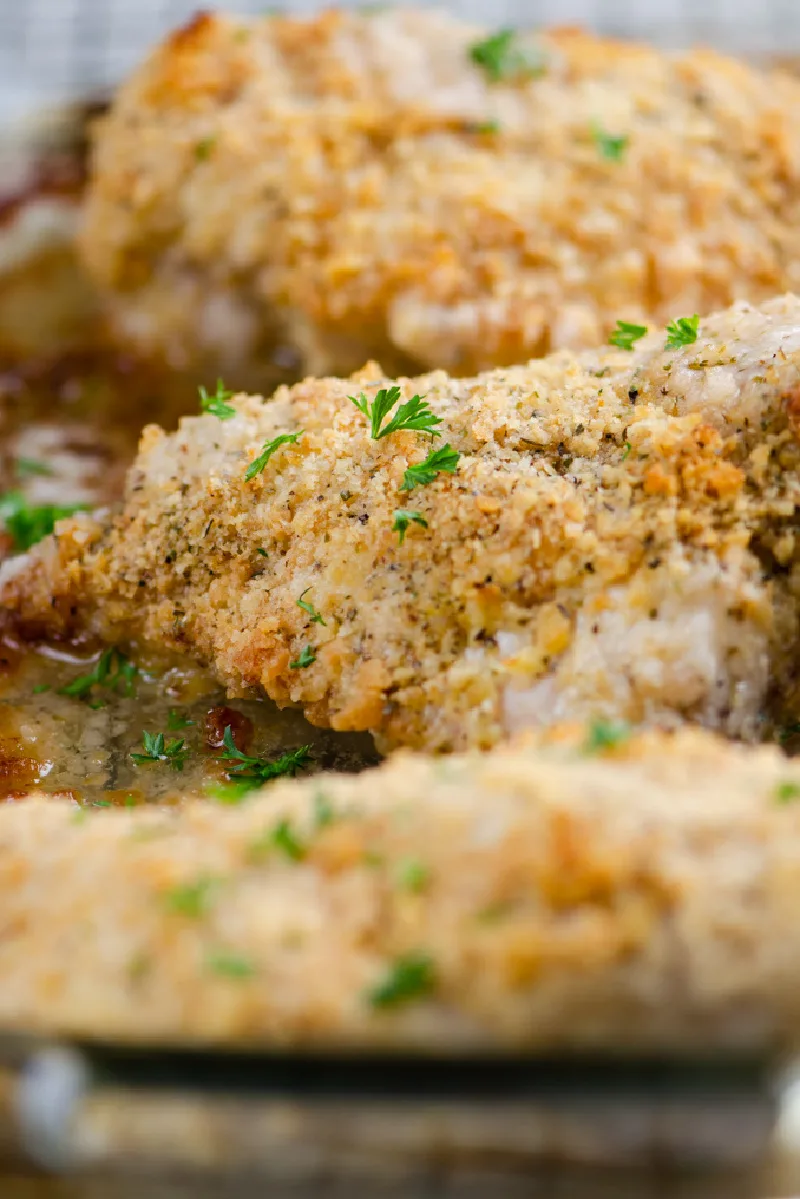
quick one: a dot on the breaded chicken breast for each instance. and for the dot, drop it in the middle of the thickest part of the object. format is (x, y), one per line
(532, 898)
(304, 194)
(606, 535)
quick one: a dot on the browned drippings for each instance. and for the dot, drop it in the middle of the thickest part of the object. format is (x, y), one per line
(220, 718)
(55, 743)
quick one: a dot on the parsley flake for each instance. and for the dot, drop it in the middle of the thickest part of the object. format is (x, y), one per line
(324, 813)
(505, 60)
(408, 977)
(682, 332)
(605, 734)
(256, 770)
(26, 467)
(157, 749)
(786, 792)
(284, 838)
(191, 899)
(307, 657)
(28, 523)
(403, 517)
(176, 720)
(230, 965)
(230, 793)
(413, 414)
(113, 671)
(308, 607)
(203, 148)
(626, 449)
(610, 146)
(215, 405)
(442, 461)
(258, 464)
(626, 334)
(413, 875)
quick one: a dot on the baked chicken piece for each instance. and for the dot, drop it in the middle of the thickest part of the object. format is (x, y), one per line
(298, 195)
(532, 898)
(606, 535)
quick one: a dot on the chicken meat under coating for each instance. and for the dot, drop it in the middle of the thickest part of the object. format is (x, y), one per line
(531, 898)
(618, 539)
(311, 193)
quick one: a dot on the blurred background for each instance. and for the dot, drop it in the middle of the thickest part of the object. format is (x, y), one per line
(57, 49)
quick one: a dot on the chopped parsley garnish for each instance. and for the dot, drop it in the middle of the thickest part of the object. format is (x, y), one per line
(256, 770)
(40, 688)
(230, 965)
(626, 449)
(28, 523)
(786, 792)
(403, 517)
(308, 607)
(258, 464)
(113, 671)
(486, 127)
(324, 813)
(413, 875)
(215, 405)
(157, 749)
(306, 657)
(176, 720)
(442, 461)
(609, 145)
(682, 332)
(408, 977)
(203, 148)
(25, 467)
(413, 414)
(191, 899)
(504, 59)
(605, 734)
(261, 551)
(494, 911)
(231, 793)
(626, 334)
(284, 838)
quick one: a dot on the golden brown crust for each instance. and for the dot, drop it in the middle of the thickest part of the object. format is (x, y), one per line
(642, 899)
(618, 540)
(329, 186)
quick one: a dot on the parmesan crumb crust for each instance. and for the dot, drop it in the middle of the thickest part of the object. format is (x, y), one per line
(645, 896)
(618, 540)
(321, 191)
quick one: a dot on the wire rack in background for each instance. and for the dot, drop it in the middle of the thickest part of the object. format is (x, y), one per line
(54, 49)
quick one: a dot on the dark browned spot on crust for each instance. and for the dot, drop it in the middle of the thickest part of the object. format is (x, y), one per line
(791, 401)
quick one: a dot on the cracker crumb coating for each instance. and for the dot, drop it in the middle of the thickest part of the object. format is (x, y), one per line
(313, 192)
(643, 898)
(618, 541)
